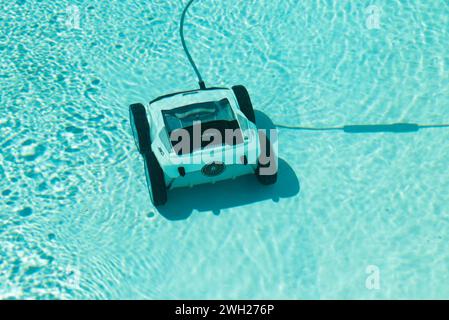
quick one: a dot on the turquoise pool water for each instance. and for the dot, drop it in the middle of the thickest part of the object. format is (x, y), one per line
(76, 219)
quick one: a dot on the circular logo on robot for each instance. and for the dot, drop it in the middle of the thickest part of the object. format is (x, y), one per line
(213, 169)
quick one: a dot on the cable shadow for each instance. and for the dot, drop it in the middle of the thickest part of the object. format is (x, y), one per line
(370, 128)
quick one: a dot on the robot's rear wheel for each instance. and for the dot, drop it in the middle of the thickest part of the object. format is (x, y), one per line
(244, 101)
(140, 127)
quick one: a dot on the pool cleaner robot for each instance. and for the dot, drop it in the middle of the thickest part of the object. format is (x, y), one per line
(200, 136)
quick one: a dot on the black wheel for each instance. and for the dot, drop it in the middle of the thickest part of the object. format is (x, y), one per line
(155, 179)
(140, 127)
(244, 102)
(267, 165)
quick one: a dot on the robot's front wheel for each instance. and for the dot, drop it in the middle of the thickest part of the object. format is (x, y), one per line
(155, 179)
(267, 166)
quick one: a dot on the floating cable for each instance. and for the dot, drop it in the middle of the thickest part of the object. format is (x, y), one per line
(186, 50)
(362, 128)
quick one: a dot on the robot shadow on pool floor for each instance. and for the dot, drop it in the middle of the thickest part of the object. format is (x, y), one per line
(231, 193)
